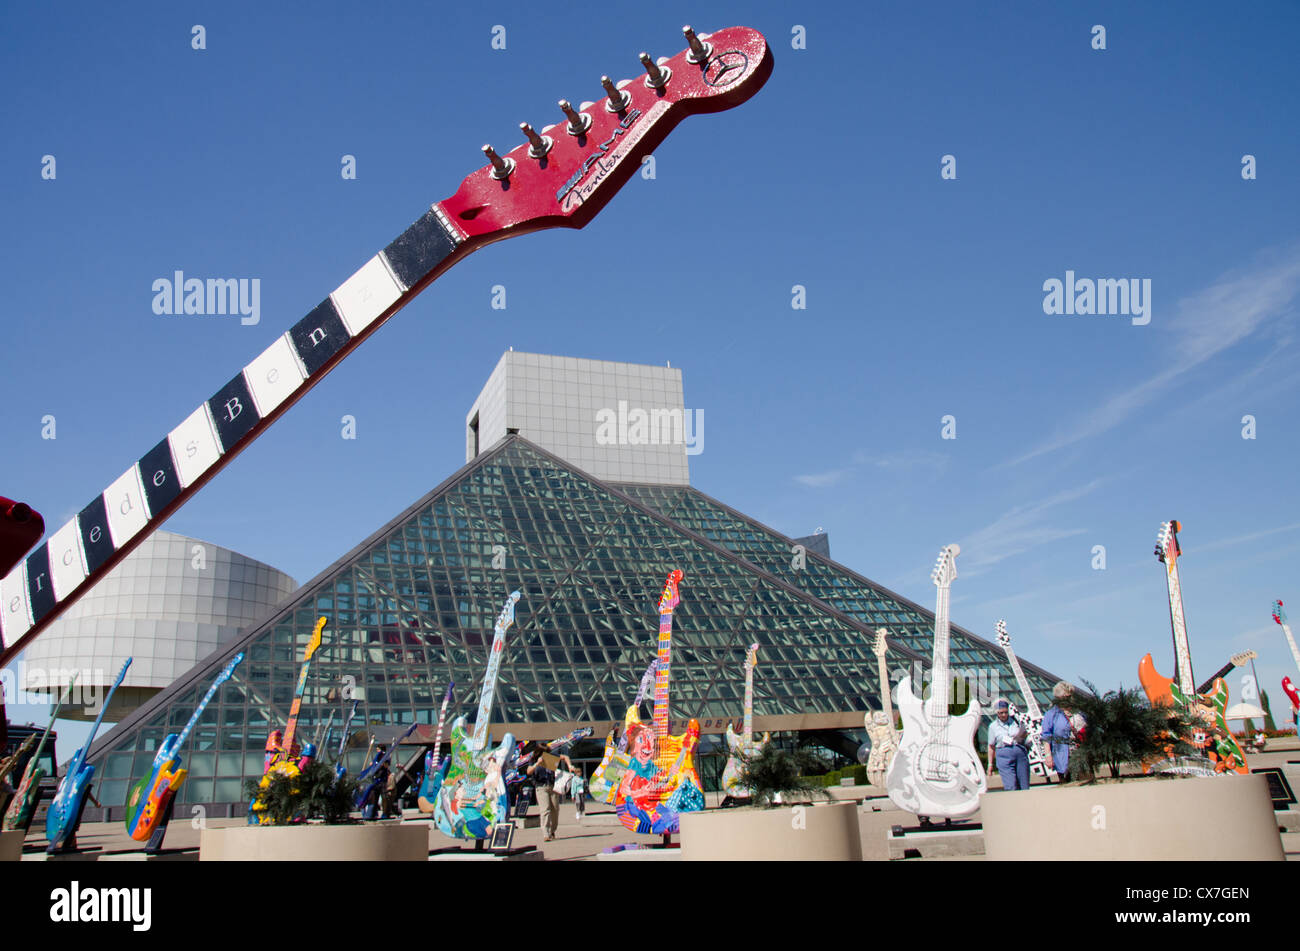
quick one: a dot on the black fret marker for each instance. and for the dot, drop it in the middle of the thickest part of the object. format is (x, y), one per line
(159, 474)
(234, 412)
(96, 539)
(319, 336)
(419, 249)
(40, 589)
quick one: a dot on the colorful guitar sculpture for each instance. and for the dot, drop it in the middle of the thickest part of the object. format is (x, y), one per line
(473, 794)
(1215, 738)
(23, 803)
(744, 744)
(659, 780)
(8, 765)
(935, 772)
(65, 810)
(560, 177)
(281, 748)
(1032, 718)
(434, 772)
(605, 780)
(1292, 694)
(340, 770)
(147, 802)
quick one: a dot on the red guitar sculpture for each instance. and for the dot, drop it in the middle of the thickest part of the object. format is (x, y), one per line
(558, 177)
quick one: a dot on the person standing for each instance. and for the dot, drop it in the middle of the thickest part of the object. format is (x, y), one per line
(1007, 748)
(1058, 729)
(543, 778)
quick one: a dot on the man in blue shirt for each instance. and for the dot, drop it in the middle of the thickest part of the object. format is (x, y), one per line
(1007, 748)
(1057, 731)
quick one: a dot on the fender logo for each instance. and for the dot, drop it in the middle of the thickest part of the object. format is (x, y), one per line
(607, 156)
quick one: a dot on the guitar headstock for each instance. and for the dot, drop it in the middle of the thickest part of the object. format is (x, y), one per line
(315, 640)
(945, 568)
(1245, 657)
(881, 646)
(670, 598)
(229, 669)
(564, 174)
(1167, 547)
(751, 657)
(446, 699)
(121, 674)
(1004, 639)
(1279, 615)
(507, 615)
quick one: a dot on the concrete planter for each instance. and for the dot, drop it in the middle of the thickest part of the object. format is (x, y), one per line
(796, 833)
(1219, 817)
(392, 842)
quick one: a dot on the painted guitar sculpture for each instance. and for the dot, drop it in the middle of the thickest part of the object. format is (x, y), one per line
(376, 769)
(1292, 694)
(340, 770)
(435, 772)
(23, 803)
(1032, 717)
(147, 802)
(281, 747)
(935, 772)
(1215, 738)
(880, 724)
(560, 177)
(605, 780)
(10, 763)
(659, 781)
(65, 810)
(744, 744)
(473, 794)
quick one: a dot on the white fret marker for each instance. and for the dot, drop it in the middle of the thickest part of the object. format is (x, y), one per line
(15, 612)
(128, 512)
(194, 446)
(366, 295)
(67, 560)
(273, 375)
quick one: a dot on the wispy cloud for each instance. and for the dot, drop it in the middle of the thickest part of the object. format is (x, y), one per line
(1208, 322)
(1243, 539)
(819, 480)
(1020, 529)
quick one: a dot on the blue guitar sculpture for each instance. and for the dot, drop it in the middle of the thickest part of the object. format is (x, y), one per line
(435, 772)
(65, 811)
(473, 795)
(375, 769)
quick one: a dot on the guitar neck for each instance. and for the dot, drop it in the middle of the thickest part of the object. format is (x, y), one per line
(1178, 625)
(198, 711)
(487, 697)
(291, 728)
(662, 675)
(1031, 702)
(104, 709)
(442, 718)
(553, 180)
(749, 704)
(940, 677)
(1295, 652)
(885, 700)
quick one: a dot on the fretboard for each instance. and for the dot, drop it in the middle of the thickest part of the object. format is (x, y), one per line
(488, 695)
(1182, 650)
(1031, 702)
(1295, 652)
(940, 679)
(53, 576)
(749, 704)
(662, 674)
(292, 727)
(442, 717)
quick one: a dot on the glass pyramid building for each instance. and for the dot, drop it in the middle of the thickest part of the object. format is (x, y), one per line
(413, 607)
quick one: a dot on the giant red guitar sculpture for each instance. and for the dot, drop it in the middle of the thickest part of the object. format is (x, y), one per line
(560, 177)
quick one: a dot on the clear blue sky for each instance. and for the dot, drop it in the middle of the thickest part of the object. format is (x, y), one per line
(924, 295)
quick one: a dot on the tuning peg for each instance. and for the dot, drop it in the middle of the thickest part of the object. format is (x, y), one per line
(658, 75)
(618, 99)
(538, 145)
(501, 167)
(700, 51)
(579, 122)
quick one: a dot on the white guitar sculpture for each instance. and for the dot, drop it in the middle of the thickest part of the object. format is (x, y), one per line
(880, 724)
(744, 743)
(935, 772)
(1032, 717)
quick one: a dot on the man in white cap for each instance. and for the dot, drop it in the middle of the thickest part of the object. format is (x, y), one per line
(1007, 748)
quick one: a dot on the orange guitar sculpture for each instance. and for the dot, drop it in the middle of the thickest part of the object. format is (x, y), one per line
(659, 781)
(1215, 739)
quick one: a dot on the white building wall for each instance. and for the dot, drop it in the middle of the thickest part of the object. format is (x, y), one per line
(559, 403)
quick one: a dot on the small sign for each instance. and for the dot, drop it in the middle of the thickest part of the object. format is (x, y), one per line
(848, 781)
(502, 834)
(1279, 790)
